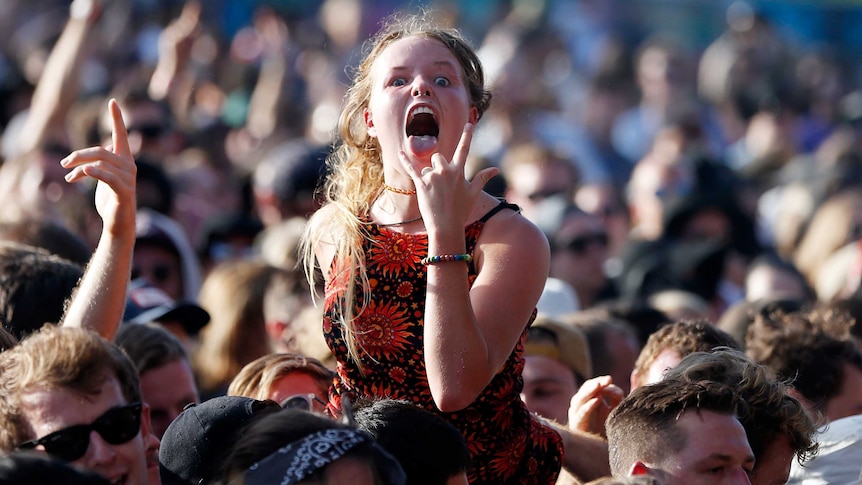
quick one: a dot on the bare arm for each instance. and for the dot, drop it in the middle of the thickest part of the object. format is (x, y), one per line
(585, 455)
(171, 80)
(470, 332)
(58, 85)
(100, 298)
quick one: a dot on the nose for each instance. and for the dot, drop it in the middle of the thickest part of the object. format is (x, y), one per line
(420, 87)
(100, 453)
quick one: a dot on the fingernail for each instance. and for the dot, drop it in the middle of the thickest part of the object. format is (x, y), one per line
(64, 162)
(68, 177)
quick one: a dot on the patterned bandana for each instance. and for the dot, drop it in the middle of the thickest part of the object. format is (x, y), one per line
(296, 461)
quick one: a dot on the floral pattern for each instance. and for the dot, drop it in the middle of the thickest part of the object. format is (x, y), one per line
(506, 444)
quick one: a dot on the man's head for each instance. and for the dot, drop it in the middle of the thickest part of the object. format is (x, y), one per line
(167, 382)
(61, 384)
(684, 433)
(776, 424)
(440, 455)
(669, 344)
(556, 363)
(815, 351)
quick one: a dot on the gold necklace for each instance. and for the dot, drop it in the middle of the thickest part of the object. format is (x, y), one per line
(398, 191)
(408, 221)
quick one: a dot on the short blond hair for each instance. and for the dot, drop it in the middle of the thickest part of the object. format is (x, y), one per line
(255, 380)
(58, 357)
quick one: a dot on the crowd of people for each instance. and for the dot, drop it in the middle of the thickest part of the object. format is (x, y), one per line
(275, 242)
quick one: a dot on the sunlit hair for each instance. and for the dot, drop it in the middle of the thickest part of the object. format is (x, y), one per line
(256, 379)
(356, 170)
(58, 358)
(771, 411)
(644, 426)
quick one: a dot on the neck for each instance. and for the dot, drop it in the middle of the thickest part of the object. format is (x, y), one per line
(391, 207)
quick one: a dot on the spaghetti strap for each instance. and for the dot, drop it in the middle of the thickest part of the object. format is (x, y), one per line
(502, 205)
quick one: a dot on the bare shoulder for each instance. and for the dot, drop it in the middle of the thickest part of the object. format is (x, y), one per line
(509, 234)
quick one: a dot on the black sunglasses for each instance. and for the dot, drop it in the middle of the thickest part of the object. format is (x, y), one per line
(117, 426)
(581, 243)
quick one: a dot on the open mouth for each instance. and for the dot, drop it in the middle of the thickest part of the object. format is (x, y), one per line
(422, 122)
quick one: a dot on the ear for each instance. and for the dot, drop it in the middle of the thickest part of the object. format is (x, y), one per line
(275, 329)
(634, 380)
(639, 468)
(369, 123)
(474, 115)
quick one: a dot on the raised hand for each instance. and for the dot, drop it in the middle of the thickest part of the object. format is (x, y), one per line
(115, 170)
(442, 190)
(591, 405)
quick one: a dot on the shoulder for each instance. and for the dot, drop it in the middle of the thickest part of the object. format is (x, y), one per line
(509, 235)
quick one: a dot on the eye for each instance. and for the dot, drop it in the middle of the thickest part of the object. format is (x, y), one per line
(398, 82)
(442, 81)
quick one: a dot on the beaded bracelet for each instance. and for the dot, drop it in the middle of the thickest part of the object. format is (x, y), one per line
(446, 258)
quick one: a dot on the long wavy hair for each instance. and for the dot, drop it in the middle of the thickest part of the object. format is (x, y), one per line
(355, 169)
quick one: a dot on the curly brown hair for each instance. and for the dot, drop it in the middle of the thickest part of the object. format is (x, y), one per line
(810, 349)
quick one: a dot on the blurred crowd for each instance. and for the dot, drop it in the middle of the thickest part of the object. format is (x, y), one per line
(687, 161)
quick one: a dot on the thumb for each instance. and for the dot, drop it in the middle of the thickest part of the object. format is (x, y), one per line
(482, 178)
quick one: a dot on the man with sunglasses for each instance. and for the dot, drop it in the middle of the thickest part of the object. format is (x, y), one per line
(579, 250)
(70, 393)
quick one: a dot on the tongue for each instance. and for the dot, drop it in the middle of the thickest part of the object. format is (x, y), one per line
(423, 146)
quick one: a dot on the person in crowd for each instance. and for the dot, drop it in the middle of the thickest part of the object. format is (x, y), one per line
(296, 446)
(167, 382)
(233, 294)
(438, 457)
(399, 219)
(69, 393)
(614, 344)
(148, 303)
(683, 433)
(556, 364)
(33, 467)
(196, 444)
(815, 351)
(777, 426)
(666, 347)
(284, 376)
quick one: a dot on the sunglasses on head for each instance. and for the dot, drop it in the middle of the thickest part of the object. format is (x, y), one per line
(117, 426)
(148, 130)
(301, 401)
(581, 243)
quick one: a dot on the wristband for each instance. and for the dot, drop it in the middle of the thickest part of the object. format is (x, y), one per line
(445, 258)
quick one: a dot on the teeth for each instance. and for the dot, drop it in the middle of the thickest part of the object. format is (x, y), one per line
(421, 110)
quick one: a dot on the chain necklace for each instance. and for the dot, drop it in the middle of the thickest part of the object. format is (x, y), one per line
(408, 221)
(399, 191)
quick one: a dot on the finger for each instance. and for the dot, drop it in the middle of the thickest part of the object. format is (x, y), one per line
(482, 178)
(460, 157)
(408, 167)
(87, 155)
(119, 137)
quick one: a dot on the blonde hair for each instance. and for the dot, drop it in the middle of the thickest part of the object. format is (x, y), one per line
(256, 379)
(356, 169)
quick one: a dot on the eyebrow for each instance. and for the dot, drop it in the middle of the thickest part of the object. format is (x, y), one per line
(727, 459)
(448, 64)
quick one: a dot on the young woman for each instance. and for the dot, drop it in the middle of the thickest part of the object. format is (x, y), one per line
(431, 283)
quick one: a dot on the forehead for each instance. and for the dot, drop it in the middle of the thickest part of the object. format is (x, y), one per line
(49, 410)
(726, 437)
(411, 52)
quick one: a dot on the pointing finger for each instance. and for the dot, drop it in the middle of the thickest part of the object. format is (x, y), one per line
(120, 136)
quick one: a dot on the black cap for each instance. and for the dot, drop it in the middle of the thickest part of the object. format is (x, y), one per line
(197, 442)
(147, 303)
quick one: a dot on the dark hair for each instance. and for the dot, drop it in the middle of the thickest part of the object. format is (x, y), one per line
(149, 345)
(430, 449)
(34, 467)
(808, 348)
(50, 235)
(34, 287)
(685, 337)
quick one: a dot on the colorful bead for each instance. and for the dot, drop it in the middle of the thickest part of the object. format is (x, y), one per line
(446, 258)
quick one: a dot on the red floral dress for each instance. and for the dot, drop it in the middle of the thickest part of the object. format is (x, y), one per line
(506, 444)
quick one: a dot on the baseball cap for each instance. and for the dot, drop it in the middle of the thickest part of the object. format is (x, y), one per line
(567, 345)
(197, 442)
(147, 303)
